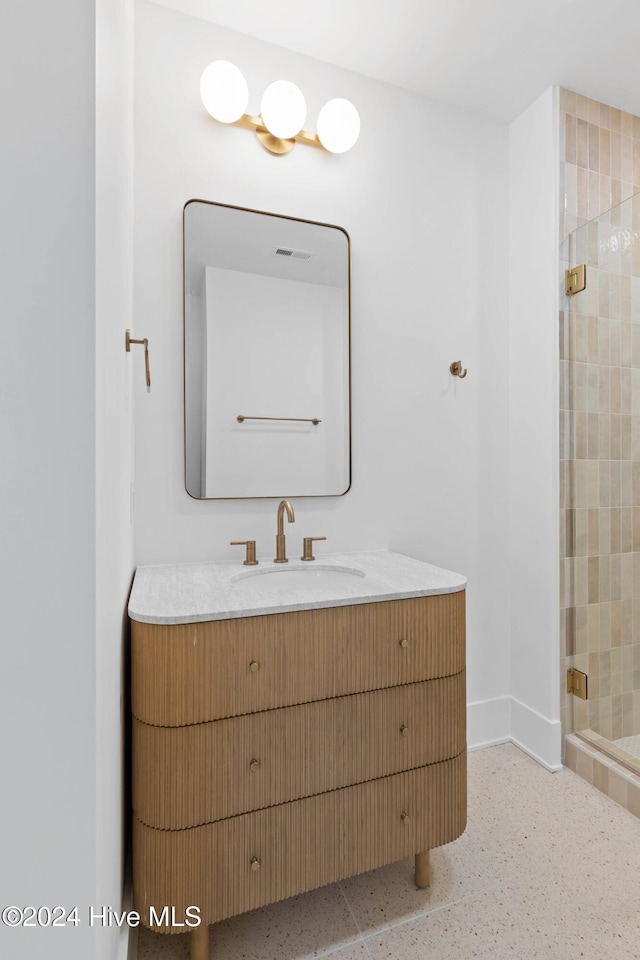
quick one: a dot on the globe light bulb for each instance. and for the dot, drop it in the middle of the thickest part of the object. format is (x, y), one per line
(224, 91)
(283, 109)
(338, 125)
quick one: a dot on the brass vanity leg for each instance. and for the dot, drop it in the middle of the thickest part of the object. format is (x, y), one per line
(423, 869)
(199, 942)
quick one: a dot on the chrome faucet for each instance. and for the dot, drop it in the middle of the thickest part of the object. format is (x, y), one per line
(281, 553)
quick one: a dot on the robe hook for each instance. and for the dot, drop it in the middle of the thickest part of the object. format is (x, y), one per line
(456, 369)
(128, 340)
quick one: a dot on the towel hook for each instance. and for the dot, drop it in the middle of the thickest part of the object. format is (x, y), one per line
(128, 340)
(456, 369)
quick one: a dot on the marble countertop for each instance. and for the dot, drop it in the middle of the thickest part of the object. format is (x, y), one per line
(192, 592)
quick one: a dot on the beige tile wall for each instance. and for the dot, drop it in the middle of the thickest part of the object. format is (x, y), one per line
(599, 159)
(600, 415)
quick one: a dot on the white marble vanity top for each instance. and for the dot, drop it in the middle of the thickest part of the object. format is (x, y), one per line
(191, 592)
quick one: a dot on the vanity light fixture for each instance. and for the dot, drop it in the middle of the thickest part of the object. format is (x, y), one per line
(225, 95)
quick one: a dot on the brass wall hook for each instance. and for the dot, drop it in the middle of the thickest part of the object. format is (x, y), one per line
(456, 369)
(128, 340)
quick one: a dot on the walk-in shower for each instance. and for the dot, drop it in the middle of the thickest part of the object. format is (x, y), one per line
(600, 481)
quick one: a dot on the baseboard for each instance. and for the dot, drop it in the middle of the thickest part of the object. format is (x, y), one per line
(488, 722)
(506, 719)
(536, 735)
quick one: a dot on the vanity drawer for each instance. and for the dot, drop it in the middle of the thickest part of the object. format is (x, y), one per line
(185, 776)
(299, 845)
(191, 673)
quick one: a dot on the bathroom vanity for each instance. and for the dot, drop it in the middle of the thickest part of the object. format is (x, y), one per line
(291, 728)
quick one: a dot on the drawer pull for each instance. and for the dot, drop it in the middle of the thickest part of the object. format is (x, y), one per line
(404, 816)
(404, 643)
(254, 765)
(404, 730)
(254, 666)
(255, 864)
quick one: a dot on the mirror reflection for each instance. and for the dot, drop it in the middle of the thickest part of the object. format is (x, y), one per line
(266, 333)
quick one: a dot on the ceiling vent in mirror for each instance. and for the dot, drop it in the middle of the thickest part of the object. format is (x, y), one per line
(292, 254)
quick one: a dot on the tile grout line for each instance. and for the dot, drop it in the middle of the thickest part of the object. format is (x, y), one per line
(364, 937)
(321, 954)
(417, 916)
(355, 919)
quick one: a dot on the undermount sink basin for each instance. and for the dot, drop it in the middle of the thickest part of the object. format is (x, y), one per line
(313, 578)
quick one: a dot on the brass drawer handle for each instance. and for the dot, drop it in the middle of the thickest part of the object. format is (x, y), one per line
(254, 666)
(404, 817)
(404, 643)
(254, 765)
(255, 864)
(404, 730)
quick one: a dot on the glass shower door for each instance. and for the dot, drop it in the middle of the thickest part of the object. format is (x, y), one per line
(600, 482)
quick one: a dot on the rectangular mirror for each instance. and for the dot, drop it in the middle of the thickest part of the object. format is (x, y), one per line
(266, 354)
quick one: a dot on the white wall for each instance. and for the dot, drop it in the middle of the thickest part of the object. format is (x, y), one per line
(423, 196)
(533, 430)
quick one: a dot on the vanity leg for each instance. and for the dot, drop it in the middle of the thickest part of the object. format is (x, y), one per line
(199, 942)
(423, 869)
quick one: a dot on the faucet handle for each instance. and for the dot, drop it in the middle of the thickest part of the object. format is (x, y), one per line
(250, 560)
(307, 548)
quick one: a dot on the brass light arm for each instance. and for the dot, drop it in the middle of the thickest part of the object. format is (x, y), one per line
(272, 143)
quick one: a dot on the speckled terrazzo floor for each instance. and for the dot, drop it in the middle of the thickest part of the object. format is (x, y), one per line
(548, 867)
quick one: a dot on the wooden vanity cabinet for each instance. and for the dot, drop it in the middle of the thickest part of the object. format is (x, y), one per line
(279, 753)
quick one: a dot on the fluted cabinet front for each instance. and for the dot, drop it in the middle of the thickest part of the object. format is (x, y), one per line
(275, 754)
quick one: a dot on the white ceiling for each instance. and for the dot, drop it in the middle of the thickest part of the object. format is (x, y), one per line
(493, 57)
(232, 238)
